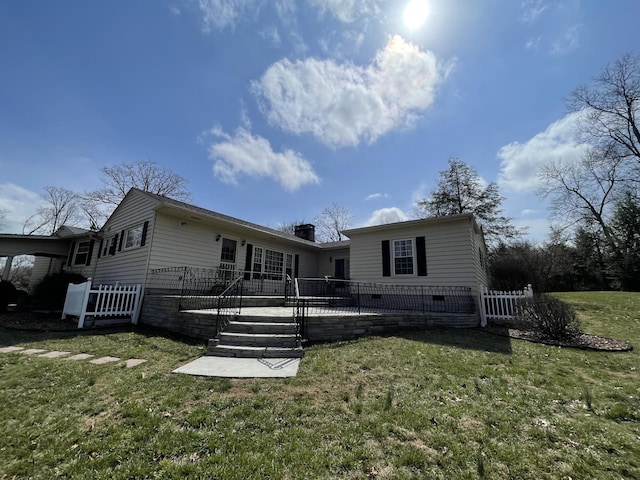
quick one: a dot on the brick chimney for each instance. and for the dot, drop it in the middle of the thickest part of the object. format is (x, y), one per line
(306, 232)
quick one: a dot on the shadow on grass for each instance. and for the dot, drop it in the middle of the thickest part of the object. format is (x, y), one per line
(469, 339)
(36, 331)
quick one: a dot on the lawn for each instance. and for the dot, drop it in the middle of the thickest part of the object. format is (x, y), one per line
(437, 404)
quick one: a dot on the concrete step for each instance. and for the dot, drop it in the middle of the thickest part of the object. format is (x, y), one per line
(227, 338)
(267, 327)
(254, 352)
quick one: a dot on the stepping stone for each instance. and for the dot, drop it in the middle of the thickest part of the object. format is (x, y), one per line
(132, 362)
(54, 354)
(103, 360)
(32, 351)
(80, 356)
(10, 349)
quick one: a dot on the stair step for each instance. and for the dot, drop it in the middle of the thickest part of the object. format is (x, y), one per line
(257, 339)
(254, 352)
(273, 328)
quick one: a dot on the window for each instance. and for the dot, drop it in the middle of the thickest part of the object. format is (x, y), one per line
(273, 264)
(82, 253)
(257, 262)
(289, 265)
(133, 237)
(228, 254)
(403, 257)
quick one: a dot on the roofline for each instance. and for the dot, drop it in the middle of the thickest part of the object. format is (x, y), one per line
(407, 223)
(194, 209)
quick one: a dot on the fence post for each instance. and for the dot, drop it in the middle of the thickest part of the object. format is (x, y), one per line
(85, 300)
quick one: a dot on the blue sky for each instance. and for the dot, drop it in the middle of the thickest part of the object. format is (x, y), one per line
(274, 109)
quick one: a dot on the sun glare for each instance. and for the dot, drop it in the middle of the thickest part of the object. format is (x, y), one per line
(415, 13)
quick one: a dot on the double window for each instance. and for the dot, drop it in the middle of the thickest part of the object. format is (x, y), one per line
(271, 264)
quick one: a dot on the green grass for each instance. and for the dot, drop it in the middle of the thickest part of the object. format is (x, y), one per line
(439, 404)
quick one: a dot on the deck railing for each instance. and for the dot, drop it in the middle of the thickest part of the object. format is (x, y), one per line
(320, 294)
(199, 287)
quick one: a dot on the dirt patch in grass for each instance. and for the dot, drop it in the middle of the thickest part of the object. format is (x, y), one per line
(584, 341)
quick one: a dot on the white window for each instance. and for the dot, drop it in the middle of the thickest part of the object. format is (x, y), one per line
(133, 237)
(257, 262)
(82, 253)
(403, 257)
(271, 264)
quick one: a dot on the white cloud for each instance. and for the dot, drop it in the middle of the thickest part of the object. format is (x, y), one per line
(531, 10)
(19, 203)
(345, 104)
(376, 196)
(272, 35)
(251, 155)
(221, 14)
(386, 215)
(567, 42)
(348, 11)
(521, 162)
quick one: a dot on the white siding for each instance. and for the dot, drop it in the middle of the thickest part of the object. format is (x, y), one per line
(449, 251)
(127, 266)
(327, 259)
(190, 243)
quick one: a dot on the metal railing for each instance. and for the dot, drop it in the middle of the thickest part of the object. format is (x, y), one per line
(323, 294)
(188, 282)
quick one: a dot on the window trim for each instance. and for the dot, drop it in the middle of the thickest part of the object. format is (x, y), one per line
(77, 252)
(137, 239)
(414, 269)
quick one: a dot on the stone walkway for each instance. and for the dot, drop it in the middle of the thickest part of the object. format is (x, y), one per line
(39, 352)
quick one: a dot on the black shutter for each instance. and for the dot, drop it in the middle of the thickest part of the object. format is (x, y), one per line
(143, 240)
(247, 262)
(421, 256)
(90, 254)
(386, 259)
(71, 252)
(100, 249)
(114, 244)
(295, 267)
(121, 239)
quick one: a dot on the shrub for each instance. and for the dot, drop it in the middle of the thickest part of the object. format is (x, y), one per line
(549, 316)
(8, 294)
(52, 290)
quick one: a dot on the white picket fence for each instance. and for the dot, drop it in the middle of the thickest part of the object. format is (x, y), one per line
(499, 305)
(105, 301)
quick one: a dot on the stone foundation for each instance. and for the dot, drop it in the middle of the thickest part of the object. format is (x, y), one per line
(162, 312)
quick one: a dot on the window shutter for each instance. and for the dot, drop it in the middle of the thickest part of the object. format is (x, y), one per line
(421, 256)
(90, 254)
(295, 267)
(71, 252)
(100, 249)
(386, 259)
(121, 239)
(247, 262)
(114, 244)
(145, 227)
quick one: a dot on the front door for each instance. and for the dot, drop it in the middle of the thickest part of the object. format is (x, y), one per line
(339, 268)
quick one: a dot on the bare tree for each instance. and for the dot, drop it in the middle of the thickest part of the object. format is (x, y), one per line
(3, 215)
(117, 180)
(583, 192)
(290, 227)
(611, 111)
(331, 222)
(60, 208)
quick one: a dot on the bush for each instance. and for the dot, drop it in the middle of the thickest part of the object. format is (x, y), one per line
(52, 290)
(8, 294)
(549, 316)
